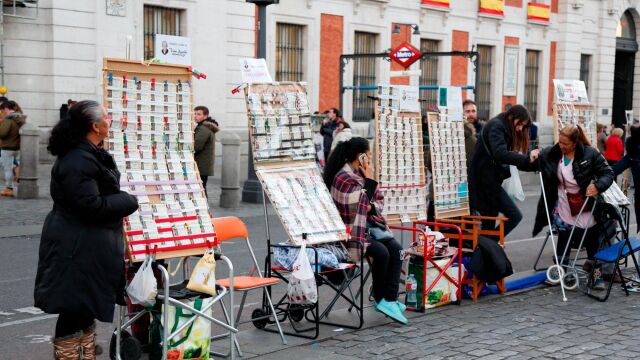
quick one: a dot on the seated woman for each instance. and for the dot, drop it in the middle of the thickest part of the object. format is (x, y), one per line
(348, 173)
(572, 168)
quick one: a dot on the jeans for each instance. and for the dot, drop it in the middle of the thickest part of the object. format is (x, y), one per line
(508, 208)
(385, 268)
(7, 159)
(622, 165)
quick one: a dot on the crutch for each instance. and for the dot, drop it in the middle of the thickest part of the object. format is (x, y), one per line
(557, 267)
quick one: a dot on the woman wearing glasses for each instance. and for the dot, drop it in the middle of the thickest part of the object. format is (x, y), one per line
(504, 141)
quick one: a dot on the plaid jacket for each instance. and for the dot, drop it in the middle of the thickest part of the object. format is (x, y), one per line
(352, 202)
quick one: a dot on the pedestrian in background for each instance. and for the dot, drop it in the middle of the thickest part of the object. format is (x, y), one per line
(10, 123)
(632, 160)
(504, 141)
(470, 110)
(615, 148)
(342, 133)
(329, 125)
(205, 146)
(80, 272)
(602, 139)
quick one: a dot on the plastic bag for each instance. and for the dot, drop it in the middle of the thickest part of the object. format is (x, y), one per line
(302, 287)
(513, 186)
(143, 288)
(203, 276)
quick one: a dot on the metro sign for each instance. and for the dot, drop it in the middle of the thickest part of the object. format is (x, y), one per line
(405, 54)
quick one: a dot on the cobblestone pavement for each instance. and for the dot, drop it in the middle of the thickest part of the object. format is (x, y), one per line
(532, 324)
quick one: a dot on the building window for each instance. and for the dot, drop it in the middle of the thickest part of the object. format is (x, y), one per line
(585, 65)
(159, 20)
(428, 75)
(483, 93)
(364, 74)
(532, 82)
(289, 52)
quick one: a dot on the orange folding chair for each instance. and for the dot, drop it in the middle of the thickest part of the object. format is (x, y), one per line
(228, 228)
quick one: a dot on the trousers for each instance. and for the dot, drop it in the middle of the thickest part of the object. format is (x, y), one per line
(385, 268)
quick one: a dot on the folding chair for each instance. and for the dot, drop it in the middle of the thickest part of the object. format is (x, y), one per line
(348, 272)
(171, 295)
(231, 228)
(614, 251)
(471, 229)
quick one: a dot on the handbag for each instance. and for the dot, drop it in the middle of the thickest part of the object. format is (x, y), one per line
(575, 200)
(203, 276)
(378, 233)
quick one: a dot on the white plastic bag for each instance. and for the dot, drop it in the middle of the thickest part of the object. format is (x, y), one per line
(143, 288)
(302, 287)
(513, 186)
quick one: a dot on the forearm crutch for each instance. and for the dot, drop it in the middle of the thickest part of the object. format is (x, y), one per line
(557, 267)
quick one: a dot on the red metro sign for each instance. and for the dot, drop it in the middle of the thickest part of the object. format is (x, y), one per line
(405, 54)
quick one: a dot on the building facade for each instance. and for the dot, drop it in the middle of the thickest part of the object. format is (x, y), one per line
(57, 54)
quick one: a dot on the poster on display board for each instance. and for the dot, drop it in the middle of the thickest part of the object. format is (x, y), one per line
(255, 71)
(510, 85)
(173, 49)
(450, 101)
(570, 91)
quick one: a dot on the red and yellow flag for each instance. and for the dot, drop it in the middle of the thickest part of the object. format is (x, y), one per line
(539, 12)
(493, 7)
(440, 3)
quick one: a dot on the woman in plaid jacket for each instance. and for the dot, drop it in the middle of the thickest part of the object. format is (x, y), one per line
(348, 174)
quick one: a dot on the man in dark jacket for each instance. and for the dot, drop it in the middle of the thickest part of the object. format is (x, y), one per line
(329, 125)
(470, 110)
(204, 146)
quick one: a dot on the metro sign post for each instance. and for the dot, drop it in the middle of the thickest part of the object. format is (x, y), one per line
(405, 54)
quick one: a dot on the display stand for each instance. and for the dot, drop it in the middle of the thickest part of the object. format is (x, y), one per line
(284, 160)
(399, 155)
(151, 139)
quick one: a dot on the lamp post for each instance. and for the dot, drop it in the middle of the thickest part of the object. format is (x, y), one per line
(252, 190)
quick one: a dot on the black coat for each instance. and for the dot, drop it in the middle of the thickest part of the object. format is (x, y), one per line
(487, 171)
(81, 256)
(326, 130)
(588, 165)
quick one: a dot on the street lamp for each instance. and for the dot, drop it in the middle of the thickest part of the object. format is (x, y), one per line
(252, 190)
(415, 27)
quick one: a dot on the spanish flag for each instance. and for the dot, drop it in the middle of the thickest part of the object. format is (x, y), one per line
(440, 3)
(538, 12)
(493, 7)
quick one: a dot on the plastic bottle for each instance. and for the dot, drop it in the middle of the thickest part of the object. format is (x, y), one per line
(411, 299)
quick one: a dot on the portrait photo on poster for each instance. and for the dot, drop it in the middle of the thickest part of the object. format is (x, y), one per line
(173, 49)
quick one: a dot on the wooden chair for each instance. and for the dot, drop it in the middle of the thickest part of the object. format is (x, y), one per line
(471, 229)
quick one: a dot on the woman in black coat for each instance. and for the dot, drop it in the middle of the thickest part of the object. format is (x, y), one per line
(504, 141)
(81, 258)
(571, 166)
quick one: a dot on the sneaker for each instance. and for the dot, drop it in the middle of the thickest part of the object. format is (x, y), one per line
(598, 283)
(391, 310)
(7, 192)
(401, 306)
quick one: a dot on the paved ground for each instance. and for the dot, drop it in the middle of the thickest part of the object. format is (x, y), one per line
(28, 331)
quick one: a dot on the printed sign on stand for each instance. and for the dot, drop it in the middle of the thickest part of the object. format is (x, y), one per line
(173, 49)
(255, 71)
(570, 91)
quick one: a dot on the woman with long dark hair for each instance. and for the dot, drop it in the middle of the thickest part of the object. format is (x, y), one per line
(80, 272)
(348, 173)
(504, 141)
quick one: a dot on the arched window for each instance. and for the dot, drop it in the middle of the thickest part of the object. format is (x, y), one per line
(626, 27)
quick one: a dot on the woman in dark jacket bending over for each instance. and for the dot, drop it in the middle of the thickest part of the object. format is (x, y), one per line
(504, 141)
(571, 166)
(81, 259)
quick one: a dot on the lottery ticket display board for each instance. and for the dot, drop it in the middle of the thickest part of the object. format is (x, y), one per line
(399, 159)
(572, 106)
(284, 158)
(448, 164)
(151, 139)
(280, 122)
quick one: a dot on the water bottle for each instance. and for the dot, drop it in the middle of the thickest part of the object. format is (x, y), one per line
(411, 299)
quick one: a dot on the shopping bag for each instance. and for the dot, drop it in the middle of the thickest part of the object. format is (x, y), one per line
(302, 282)
(513, 186)
(203, 276)
(143, 288)
(193, 341)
